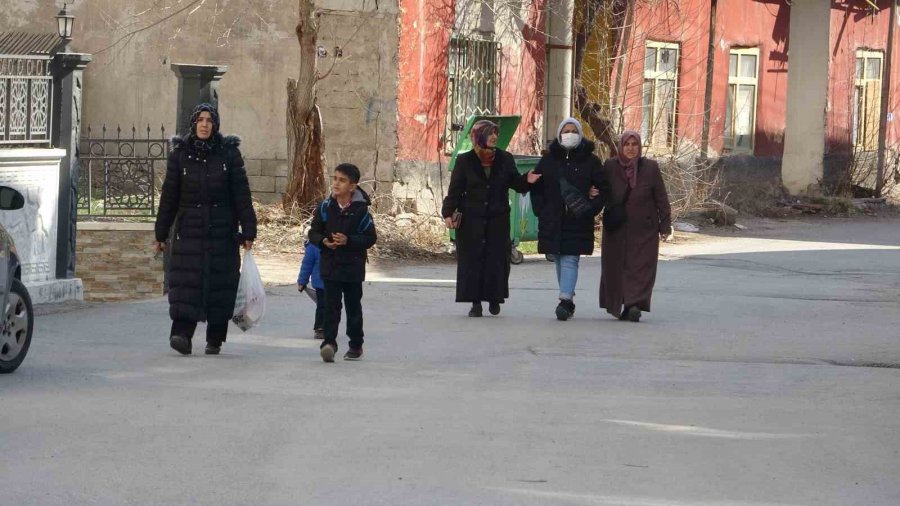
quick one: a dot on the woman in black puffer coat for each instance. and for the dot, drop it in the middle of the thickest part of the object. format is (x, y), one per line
(205, 196)
(566, 232)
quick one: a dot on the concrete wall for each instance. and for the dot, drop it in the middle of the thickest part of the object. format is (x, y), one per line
(358, 95)
(116, 261)
(131, 83)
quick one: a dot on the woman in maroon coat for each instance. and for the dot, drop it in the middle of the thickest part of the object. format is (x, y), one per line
(631, 250)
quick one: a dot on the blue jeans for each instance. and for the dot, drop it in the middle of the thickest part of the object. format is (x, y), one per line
(567, 275)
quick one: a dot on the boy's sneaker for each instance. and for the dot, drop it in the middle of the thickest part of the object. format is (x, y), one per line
(213, 348)
(327, 352)
(318, 334)
(353, 354)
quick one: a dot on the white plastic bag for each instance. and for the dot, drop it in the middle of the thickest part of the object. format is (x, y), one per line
(250, 305)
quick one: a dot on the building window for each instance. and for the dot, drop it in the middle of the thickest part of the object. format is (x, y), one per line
(740, 106)
(867, 99)
(473, 85)
(659, 94)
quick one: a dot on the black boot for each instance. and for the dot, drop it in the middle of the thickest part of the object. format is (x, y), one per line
(476, 310)
(634, 314)
(180, 344)
(494, 308)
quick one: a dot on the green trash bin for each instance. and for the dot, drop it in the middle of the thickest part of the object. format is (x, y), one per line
(522, 223)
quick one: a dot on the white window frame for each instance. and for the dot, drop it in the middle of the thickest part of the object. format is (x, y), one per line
(733, 83)
(655, 76)
(860, 137)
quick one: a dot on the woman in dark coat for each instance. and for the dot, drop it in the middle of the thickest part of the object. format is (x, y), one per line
(479, 190)
(205, 196)
(631, 251)
(564, 232)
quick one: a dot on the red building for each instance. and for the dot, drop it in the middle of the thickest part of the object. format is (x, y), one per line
(666, 77)
(450, 69)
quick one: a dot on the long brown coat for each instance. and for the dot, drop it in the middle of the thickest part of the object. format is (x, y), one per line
(630, 254)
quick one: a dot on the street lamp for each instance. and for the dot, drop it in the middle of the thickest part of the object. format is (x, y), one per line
(64, 24)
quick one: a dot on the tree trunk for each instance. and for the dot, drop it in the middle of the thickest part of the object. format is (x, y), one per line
(304, 124)
(590, 111)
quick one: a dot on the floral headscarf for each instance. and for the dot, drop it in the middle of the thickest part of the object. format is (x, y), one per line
(630, 165)
(480, 133)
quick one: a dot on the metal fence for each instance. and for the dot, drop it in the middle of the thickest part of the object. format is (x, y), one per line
(118, 176)
(26, 94)
(473, 86)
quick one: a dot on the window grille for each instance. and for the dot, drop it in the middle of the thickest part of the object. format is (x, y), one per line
(473, 84)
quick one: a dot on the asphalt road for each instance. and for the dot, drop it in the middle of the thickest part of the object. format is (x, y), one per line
(766, 374)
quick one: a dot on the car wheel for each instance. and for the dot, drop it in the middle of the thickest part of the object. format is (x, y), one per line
(16, 327)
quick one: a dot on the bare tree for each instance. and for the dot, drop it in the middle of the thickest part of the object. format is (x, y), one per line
(304, 123)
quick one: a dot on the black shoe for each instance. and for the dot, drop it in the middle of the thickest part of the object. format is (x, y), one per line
(494, 308)
(634, 314)
(353, 354)
(563, 312)
(571, 307)
(476, 310)
(180, 344)
(327, 352)
(213, 348)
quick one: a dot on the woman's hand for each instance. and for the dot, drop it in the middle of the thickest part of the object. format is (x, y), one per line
(449, 222)
(533, 177)
(248, 245)
(594, 192)
(159, 247)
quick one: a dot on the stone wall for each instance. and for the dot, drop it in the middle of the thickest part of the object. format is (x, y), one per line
(116, 261)
(130, 82)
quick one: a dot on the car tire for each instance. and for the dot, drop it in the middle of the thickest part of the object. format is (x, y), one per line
(16, 326)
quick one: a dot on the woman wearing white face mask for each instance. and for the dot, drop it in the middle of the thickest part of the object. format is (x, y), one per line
(570, 194)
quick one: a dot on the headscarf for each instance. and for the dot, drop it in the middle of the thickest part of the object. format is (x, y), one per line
(563, 125)
(198, 143)
(480, 133)
(632, 164)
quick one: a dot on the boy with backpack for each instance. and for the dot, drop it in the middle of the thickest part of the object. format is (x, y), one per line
(343, 228)
(309, 268)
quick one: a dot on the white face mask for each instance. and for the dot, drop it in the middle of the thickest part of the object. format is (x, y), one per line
(569, 140)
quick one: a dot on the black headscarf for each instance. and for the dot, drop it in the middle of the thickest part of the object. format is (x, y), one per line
(204, 145)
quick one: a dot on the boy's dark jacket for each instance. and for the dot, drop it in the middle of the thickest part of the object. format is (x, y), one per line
(347, 263)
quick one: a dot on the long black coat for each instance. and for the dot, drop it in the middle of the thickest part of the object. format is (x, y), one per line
(560, 232)
(205, 196)
(346, 263)
(482, 242)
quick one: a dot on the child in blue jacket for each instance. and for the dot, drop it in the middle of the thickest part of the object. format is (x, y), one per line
(309, 267)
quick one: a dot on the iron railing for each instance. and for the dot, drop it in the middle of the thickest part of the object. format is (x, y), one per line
(26, 95)
(118, 176)
(473, 84)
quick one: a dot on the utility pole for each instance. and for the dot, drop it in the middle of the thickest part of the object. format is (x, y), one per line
(710, 65)
(560, 56)
(885, 101)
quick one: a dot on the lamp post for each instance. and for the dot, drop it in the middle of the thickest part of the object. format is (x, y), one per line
(64, 24)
